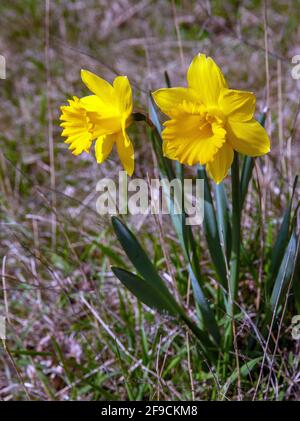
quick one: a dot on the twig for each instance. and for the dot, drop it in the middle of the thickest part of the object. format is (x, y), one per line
(50, 119)
(280, 116)
(16, 369)
(5, 290)
(266, 42)
(178, 36)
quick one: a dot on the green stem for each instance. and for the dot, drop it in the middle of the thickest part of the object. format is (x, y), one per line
(230, 334)
(235, 257)
(236, 235)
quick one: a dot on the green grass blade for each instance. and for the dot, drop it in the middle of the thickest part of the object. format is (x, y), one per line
(244, 371)
(281, 241)
(286, 271)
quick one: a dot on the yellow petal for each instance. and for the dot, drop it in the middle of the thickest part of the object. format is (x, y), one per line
(206, 78)
(124, 95)
(124, 98)
(248, 138)
(103, 147)
(219, 166)
(94, 104)
(238, 105)
(125, 152)
(99, 87)
(168, 99)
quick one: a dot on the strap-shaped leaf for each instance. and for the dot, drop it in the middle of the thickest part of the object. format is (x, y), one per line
(223, 218)
(247, 169)
(208, 317)
(281, 241)
(147, 292)
(138, 257)
(296, 283)
(286, 270)
(164, 164)
(211, 230)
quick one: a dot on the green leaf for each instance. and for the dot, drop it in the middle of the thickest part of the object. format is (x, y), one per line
(138, 257)
(245, 370)
(223, 218)
(248, 165)
(296, 283)
(153, 113)
(286, 271)
(247, 169)
(147, 292)
(167, 79)
(211, 230)
(164, 164)
(208, 317)
(281, 241)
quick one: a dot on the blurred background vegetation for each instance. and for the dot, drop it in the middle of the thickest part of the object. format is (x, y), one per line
(73, 331)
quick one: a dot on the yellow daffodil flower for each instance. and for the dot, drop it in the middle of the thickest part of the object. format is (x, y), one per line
(103, 117)
(208, 121)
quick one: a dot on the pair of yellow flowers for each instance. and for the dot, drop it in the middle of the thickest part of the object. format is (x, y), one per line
(208, 121)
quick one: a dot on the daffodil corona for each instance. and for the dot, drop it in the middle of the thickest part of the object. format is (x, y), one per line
(103, 117)
(208, 121)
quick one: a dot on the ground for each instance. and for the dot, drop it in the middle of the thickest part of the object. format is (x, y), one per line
(73, 331)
